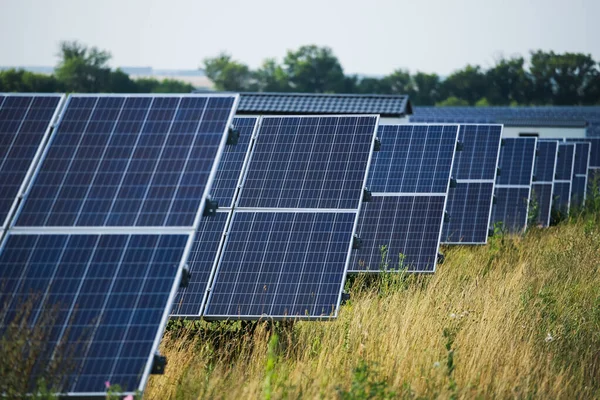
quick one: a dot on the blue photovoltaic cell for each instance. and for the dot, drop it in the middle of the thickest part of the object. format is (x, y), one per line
(409, 227)
(516, 161)
(468, 207)
(100, 299)
(594, 151)
(413, 159)
(511, 208)
(200, 263)
(582, 157)
(541, 193)
(24, 121)
(128, 161)
(230, 167)
(282, 264)
(308, 162)
(564, 162)
(545, 161)
(479, 155)
(562, 195)
(578, 191)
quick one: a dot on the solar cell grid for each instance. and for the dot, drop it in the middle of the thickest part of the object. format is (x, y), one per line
(545, 161)
(578, 191)
(413, 159)
(516, 161)
(102, 299)
(541, 194)
(511, 208)
(25, 121)
(469, 209)
(130, 160)
(561, 201)
(479, 155)
(308, 162)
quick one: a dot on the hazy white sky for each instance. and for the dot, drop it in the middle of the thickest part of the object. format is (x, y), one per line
(371, 37)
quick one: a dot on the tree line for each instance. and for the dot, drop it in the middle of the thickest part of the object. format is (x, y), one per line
(546, 78)
(84, 69)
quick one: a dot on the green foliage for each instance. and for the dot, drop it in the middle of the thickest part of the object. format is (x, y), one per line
(270, 367)
(228, 74)
(313, 69)
(452, 102)
(366, 385)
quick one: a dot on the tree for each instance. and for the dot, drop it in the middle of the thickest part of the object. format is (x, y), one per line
(313, 69)
(452, 102)
(271, 77)
(82, 69)
(468, 84)
(227, 74)
(508, 82)
(13, 80)
(399, 82)
(426, 89)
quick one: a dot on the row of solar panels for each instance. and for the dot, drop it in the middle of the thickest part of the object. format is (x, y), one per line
(102, 214)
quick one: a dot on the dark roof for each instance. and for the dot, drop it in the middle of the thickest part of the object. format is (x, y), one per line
(312, 103)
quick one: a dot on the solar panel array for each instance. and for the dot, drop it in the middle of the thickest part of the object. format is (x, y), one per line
(141, 164)
(579, 178)
(286, 250)
(513, 183)
(542, 187)
(470, 202)
(401, 226)
(25, 122)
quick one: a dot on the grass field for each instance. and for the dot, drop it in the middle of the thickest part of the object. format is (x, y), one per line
(517, 318)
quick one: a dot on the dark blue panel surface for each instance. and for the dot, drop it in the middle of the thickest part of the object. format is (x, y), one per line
(200, 263)
(561, 197)
(409, 227)
(100, 299)
(289, 264)
(595, 148)
(310, 162)
(128, 161)
(516, 161)
(582, 157)
(232, 161)
(413, 159)
(511, 208)
(564, 162)
(541, 196)
(578, 191)
(24, 120)
(468, 207)
(479, 156)
(545, 161)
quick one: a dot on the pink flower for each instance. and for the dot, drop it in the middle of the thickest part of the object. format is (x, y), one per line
(128, 397)
(107, 384)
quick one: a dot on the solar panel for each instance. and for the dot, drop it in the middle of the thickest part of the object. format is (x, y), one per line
(545, 161)
(561, 201)
(308, 162)
(399, 232)
(516, 161)
(413, 159)
(565, 164)
(202, 261)
(409, 177)
(229, 170)
(286, 250)
(469, 209)
(100, 303)
(25, 122)
(580, 173)
(541, 195)
(594, 151)
(578, 191)
(470, 202)
(511, 206)
(513, 184)
(128, 160)
(282, 265)
(582, 158)
(479, 155)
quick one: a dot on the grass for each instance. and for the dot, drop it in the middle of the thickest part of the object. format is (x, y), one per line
(517, 318)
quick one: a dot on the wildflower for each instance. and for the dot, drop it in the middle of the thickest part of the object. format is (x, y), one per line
(453, 316)
(549, 338)
(436, 364)
(128, 397)
(107, 384)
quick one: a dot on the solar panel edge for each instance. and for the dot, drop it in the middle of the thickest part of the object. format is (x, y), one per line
(247, 159)
(11, 217)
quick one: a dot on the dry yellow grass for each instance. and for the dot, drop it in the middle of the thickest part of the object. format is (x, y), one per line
(518, 318)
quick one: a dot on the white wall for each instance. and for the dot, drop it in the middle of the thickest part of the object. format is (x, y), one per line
(512, 131)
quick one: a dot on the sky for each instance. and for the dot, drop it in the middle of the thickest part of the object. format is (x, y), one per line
(372, 37)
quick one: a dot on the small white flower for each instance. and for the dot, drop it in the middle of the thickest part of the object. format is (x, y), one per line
(436, 364)
(549, 338)
(452, 315)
